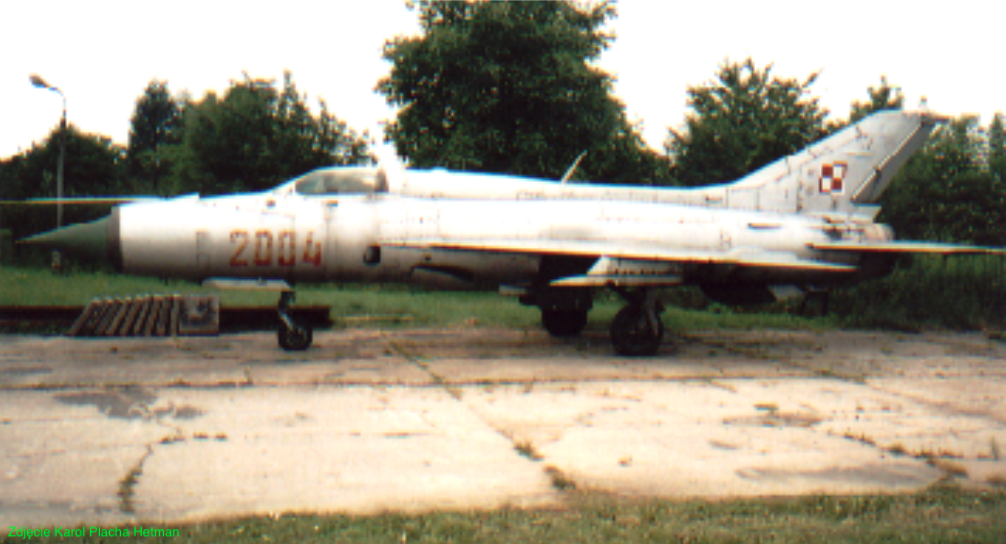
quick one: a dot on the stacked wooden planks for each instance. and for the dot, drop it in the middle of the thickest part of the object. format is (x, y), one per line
(149, 315)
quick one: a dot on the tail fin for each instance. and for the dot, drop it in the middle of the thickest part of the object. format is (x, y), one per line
(841, 173)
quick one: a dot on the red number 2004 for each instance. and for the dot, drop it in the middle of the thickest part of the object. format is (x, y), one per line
(262, 253)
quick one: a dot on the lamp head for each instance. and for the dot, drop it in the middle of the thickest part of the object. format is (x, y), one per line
(37, 81)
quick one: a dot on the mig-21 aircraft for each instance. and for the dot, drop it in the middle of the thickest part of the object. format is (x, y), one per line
(802, 224)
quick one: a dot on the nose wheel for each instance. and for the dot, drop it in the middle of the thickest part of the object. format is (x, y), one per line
(637, 330)
(292, 335)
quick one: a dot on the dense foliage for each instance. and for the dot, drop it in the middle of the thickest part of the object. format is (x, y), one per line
(253, 137)
(156, 125)
(93, 166)
(509, 87)
(952, 190)
(744, 120)
(882, 97)
(256, 136)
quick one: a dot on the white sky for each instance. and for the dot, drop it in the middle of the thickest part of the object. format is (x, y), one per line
(102, 54)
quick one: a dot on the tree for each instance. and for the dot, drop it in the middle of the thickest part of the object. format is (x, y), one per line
(744, 120)
(307, 142)
(507, 87)
(93, 165)
(882, 98)
(997, 149)
(946, 193)
(156, 123)
(255, 137)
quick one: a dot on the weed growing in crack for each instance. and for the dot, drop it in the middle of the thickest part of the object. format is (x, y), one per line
(897, 449)
(559, 480)
(126, 489)
(526, 448)
(950, 468)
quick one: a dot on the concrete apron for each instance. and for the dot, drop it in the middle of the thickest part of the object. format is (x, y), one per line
(131, 430)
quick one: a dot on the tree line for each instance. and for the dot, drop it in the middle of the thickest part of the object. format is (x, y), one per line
(254, 135)
(509, 87)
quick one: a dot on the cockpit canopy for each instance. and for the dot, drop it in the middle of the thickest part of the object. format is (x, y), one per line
(339, 180)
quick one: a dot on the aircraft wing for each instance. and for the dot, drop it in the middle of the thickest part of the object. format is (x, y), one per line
(96, 200)
(908, 247)
(645, 257)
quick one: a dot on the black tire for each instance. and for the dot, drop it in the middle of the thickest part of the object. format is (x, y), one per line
(632, 335)
(298, 338)
(563, 323)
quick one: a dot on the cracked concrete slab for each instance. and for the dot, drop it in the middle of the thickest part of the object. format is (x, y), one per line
(360, 450)
(64, 462)
(126, 430)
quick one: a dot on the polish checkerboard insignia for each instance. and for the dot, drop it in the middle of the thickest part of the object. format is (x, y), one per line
(833, 177)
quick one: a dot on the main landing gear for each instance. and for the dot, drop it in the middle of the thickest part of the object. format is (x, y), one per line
(637, 330)
(564, 323)
(563, 311)
(292, 335)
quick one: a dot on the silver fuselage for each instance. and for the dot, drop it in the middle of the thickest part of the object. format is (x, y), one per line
(301, 239)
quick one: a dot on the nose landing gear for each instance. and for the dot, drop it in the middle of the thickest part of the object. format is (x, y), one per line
(292, 335)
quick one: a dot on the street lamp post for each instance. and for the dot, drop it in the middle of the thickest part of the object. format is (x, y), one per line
(40, 83)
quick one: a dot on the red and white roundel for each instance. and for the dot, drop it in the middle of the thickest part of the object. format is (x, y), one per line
(833, 177)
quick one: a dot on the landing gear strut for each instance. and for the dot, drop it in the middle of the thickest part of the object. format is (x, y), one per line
(637, 330)
(293, 336)
(815, 304)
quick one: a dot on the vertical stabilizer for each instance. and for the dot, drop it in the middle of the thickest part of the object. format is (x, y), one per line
(841, 173)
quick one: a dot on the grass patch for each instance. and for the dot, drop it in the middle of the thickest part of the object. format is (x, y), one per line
(941, 514)
(923, 292)
(358, 306)
(927, 291)
(390, 306)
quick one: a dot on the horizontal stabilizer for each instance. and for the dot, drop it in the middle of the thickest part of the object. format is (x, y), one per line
(908, 247)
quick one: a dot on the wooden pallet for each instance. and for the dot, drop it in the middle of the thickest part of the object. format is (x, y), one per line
(149, 315)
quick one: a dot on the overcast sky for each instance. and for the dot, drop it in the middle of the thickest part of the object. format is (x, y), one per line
(102, 54)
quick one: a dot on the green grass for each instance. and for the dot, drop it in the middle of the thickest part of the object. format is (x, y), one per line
(355, 305)
(940, 514)
(923, 292)
(959, 293)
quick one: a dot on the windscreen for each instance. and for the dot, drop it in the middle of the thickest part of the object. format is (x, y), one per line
(342, 180)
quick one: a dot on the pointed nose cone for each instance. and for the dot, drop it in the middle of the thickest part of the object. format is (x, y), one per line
(86, 240)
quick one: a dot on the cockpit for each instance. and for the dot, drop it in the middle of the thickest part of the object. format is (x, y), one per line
(338, 180)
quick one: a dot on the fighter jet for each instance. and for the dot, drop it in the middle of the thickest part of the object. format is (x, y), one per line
(802, 224)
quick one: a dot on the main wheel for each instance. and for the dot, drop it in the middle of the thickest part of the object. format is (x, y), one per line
(632, 335)
(294, 339)
(564, 322)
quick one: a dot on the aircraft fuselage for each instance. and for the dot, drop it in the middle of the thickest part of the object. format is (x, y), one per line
(303, 240)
